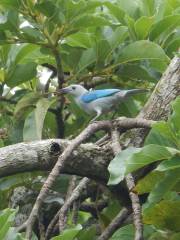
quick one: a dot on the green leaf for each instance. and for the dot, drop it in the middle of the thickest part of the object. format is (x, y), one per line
(80, 39)
(134, 71)
(174, 119)
(33, 125)
(164, 129)
(163, 186)
(88, 57)
(89, 20)
(127, 232)
(87, 234)
(21, 73)
(132, 159)
(11, 3)
(68, 234)
(116, 11)
(170, 164)
(146, 184)
(6, 218)
(48, 8)
(164, 215)
(116, 167)
(161, 26)
(31, 34)
(24, 52)
(117, 37)
(140, 50)
(27, 101)
(142, 26)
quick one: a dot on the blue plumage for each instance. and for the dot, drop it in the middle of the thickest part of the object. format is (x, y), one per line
(95, 94)
(98, 101)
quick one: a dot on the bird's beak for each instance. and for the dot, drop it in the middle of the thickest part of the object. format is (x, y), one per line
(64, 90)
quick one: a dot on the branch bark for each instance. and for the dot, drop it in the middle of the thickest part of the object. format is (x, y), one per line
(88, 160)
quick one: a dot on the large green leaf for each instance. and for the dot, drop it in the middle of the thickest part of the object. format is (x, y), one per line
(132, 159)
(89, 20)
(11, 3)
(163, 25)
(146, 184)
(116, 11)
(135, 71)
(164, 215)
(165, 131)
(80, 39)
(163, 186)
(142, 26)
(21, 73)
(88, 57)
(116, 37)
(170, 164)
(140, 50)
(68, 234)
(127, 232)
(33, 125)
(48, 8)
(29, 100)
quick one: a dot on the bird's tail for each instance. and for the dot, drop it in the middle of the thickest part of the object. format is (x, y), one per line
(135, 91)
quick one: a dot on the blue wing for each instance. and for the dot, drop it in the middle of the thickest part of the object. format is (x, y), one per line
(95, 94)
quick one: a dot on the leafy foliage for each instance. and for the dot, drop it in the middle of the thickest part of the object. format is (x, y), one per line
(162, 144)
(124, 44)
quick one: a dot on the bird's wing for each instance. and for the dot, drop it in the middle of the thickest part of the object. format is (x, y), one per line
(95, 94)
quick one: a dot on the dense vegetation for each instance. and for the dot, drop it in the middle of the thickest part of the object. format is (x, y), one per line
(45, 45)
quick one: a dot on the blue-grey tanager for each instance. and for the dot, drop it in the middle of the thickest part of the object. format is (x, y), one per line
(98, 101)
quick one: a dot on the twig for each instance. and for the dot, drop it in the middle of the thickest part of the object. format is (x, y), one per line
(115, 224)
(75, 195)
(85, 134)
(71, 187)
(137, 218)
(75, 211)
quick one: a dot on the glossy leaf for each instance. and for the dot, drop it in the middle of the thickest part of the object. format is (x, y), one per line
(88, 57)
(142, 50)
(33, 125)
(163, 186)
(22, 73)
(68, 234)
(161, 26)
(164, 215)
(146, 184)
(88, 20)
(170, 164)
(80, 39)
(142, 26)
(132, 159)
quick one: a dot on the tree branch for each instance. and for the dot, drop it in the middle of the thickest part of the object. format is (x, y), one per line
(133, 196)
(115, 224)
(88, 160)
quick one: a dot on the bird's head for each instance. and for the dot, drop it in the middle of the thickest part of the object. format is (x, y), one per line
(75, 90)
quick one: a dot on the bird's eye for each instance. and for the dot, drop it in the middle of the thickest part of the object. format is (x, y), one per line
(73, 88)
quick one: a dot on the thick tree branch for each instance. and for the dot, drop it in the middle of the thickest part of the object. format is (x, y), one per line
(158, 106)
(84, 135)
(88, 160)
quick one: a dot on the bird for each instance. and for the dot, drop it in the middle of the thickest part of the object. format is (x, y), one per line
(98, 102)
